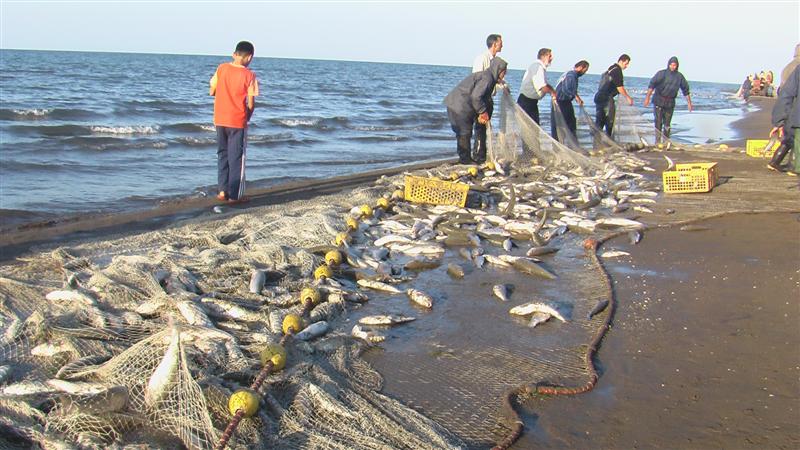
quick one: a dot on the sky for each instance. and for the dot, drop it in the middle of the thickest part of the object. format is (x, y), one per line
(717, 41)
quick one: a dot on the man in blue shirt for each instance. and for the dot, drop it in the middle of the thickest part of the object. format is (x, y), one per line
(566, 91)
(665, 83)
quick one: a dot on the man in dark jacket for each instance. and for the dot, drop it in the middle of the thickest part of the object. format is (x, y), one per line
(665, 83)
(471, 101)
(566, 92)
(786, 121)
(611, 83)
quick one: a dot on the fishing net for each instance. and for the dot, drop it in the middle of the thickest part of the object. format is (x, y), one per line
(520, 140)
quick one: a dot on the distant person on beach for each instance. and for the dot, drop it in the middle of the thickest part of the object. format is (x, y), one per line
(744, 90)
(665, 84)
(566, 92)
(786, 122)
(234, 88)
(790, 67)
(611, 83)
(534, 84)
(471, 101)
(494, 45)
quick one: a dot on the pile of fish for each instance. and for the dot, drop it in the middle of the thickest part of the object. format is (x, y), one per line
(383, 250)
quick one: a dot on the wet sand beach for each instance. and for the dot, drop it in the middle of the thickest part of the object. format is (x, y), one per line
(703, 347)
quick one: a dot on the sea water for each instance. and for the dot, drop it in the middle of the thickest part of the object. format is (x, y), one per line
(86, 131)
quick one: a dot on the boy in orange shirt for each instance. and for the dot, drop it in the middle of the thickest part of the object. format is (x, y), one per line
(234, 88)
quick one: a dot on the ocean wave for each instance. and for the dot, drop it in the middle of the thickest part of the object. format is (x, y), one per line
(49, 130)
(24, 114)
(134, 129)
(315, 123)
(378, 138)
(197, 142)
(190, 127)
(102, 143)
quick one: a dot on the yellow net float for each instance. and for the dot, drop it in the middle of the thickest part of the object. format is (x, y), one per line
(490, 165)
(453, 176)
(473, 171)
(245, 399)
(333, 258)
(383, 203)
(352, 223)
(323, 271)
(366, 211)
(310, 294)
(342, 238)
(398, 194)
(275, 353)
(294, 322)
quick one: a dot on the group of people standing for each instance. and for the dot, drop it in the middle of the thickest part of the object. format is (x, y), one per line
(470, 103)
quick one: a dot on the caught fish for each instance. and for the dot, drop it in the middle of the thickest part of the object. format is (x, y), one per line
(643, 209)
(68, 370)
(421, 263)
(312, 331)
(5, 371)
(378, 286)
(479, 260)
(693, 227)
(532, 307)
(614, 254)
(538, 318)
(257, 281)
(670, 162)
(193, 314)
(455, 271)
(507, 245)
(526, 265)
(540, 251)
(598, 308)
(420, 298)
(634, 237)
(113, 399)
(500, 291)
(70, 296)
(384, 320)
(166, 372)
(495, 261)
(371, 337)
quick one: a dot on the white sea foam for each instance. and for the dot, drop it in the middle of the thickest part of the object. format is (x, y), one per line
(33, 112)
(136, 129)
(298, 122)
(208, 128)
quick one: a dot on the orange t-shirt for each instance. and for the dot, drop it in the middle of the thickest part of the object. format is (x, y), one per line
(233, 85)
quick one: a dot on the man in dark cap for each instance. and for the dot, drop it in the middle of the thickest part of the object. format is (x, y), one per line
(665, 84)
(471, 101)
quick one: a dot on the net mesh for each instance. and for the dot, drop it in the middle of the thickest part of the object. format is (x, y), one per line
(141, 339)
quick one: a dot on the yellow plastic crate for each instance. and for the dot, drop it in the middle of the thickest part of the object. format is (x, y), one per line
(434, 191)
(690, 177)
(761, 148)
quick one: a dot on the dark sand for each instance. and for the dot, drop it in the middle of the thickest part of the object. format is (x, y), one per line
(754, 125)
(704, 349)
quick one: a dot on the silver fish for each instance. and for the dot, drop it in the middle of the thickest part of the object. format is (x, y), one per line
(532, 307)
(507, 245)
(528, 266)
(384, 320)
(693, 227)
(598, 308)
(538, 318)
(500, 291)
(539, 251)
(378, 286)
(455, 271)
(166, 371)
(614, 254)
(257, 281)
(370, 336)
(69, 296)
(193, 314)
(634, 237)
(312, 331)
(420, 298)
(113, 399)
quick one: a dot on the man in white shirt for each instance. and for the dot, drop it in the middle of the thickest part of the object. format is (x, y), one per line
(494, 44)
(534, 84)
